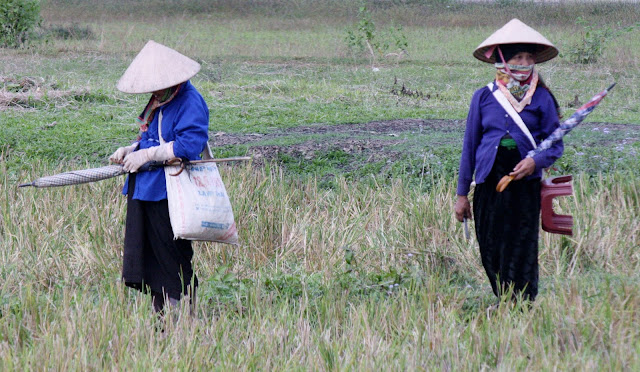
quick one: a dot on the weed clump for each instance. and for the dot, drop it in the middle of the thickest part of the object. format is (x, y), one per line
(71, 32)
(364, 36)
(590, 47)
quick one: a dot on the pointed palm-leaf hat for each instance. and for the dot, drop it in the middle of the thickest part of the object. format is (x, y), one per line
(516, 32)
(157, 67)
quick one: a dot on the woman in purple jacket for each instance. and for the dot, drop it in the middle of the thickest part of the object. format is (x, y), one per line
(153, 261)
(506, 119)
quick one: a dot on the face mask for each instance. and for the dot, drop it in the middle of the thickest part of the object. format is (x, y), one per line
(518, 72)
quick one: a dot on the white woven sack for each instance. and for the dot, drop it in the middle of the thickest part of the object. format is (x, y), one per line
(199, 206)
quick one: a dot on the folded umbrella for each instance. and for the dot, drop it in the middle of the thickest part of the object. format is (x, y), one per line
(567, 125)
(102, 173)
(78, 177)
(564, 128)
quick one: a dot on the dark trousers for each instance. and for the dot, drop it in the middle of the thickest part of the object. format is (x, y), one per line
(153, 261)
(507, 227)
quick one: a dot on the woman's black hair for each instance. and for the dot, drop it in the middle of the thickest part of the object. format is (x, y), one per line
(510, 50)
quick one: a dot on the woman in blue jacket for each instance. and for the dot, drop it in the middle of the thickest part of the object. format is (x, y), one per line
(153, 261)
(506, 119)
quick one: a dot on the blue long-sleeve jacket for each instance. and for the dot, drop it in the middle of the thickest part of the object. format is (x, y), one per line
(488, 122)
(185, 120)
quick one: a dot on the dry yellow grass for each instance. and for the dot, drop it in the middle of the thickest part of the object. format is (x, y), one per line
(63, 307)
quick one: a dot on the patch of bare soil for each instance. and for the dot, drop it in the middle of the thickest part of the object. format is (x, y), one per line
(380, 140)
(392, 128)
(374, 141)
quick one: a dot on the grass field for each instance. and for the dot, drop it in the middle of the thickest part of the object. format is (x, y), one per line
(345, 263)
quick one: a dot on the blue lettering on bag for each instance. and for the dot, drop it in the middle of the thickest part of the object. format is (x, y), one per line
(213, 225)
(211, 193)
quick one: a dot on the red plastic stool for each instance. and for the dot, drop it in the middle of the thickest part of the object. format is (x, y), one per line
(551, 188)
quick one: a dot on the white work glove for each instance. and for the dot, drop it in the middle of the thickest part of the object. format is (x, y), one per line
(118, 156)
(136, 159)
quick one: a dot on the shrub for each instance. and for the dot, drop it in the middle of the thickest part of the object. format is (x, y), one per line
(18, 20)
(364, 37)
(590, 47)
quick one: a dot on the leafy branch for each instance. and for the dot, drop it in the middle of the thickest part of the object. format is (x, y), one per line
(364, 37)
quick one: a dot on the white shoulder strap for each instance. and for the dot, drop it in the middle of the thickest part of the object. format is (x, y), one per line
(502, 100)
(160, 127)
(206, 154)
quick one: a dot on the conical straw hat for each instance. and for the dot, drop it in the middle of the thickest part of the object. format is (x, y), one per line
(157, 67)
(516, 32)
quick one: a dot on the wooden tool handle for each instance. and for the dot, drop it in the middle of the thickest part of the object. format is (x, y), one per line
(504, 182)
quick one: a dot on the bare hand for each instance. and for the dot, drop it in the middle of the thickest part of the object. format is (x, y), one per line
(524, 168)
(462, 208)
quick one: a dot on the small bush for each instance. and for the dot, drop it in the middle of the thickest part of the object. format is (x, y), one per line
(591, 46)
(18, 20)
(364, 37)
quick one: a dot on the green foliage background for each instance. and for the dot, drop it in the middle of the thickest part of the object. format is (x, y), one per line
(18, 21)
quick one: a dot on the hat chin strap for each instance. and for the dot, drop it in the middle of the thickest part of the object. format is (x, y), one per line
(506, 67)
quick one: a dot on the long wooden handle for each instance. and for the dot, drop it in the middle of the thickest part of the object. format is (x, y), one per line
(504, 182)
(220, 160)
(182, 164)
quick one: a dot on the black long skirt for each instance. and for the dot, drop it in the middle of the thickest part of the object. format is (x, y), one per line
(153, 261)
(507, 227)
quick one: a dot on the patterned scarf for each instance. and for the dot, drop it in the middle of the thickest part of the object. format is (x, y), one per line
(154, 103)
(518, 93)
